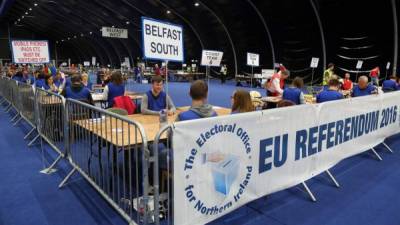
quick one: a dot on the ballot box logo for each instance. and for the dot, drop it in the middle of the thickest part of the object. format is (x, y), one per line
(217, 173)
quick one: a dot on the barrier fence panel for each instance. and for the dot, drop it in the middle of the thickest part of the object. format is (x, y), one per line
(2, 89)
(26, 106)
(50, 108)
(110, 152)
(162, 176)
(13, 92)
(7, 93)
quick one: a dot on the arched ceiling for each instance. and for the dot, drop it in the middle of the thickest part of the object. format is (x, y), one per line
(283, 31)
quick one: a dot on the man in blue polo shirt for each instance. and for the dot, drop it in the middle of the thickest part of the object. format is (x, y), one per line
(77, 90)
(390, 85)
(363, 88)
(200, 108)
(332, 93)
(156, 99)
(294, 93)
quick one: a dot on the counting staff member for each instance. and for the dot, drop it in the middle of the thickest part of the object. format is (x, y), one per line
(363, 88)
(390, 85)
(332, 93)
(241, 102)
(77, 91)
(156, 99)
(347, 83)
(200, 108)
(328, 74)
(49, 84)
(40, 81)
(294, 93)
(86, 82)
(277, 83)
(114, 89)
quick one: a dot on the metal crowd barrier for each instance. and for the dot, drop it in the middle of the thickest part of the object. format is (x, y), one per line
(8, 93)
(2, 88)
(163, 164)
(110, 152)
(50, 108)
(26, 105)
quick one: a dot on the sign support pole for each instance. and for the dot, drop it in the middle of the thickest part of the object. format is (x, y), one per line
(166, 82)
(208, 75)
(252, 76)
(312, 77)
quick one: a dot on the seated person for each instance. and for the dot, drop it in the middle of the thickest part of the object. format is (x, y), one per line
(347, 83)
(156, 99)
(59, 81)
(200, 108)
(332, 93)
(86, 82)
(363, 88)
(77, 91)
(114, 89)
(49, 84)
(40, 81)
(294, 93)
(390, 85)
(241, 102)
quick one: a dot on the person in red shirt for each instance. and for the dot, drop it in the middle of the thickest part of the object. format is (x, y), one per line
(157, 70)
(374, 74)
(347, 83)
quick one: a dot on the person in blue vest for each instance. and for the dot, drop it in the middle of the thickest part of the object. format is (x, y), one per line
(49, 84)
(390, 85)
(294, 93)
(332, 93)
(77, 91)
(40, 81)
(156, 99)
(199, 109)
(59, 80)
(86, 82)
(114, 88)
(18, 77)
(363, 88)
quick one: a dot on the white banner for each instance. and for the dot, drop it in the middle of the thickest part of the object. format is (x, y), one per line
(93, 61)
(253, 59)
(388, 65)
(27, 51)
(114, 32)
(86, 63)
(359, 64)
(162, 40)
(211, 58)
(222, 163)
(314, 62)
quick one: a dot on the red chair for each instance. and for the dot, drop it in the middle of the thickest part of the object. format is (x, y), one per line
(125, 102)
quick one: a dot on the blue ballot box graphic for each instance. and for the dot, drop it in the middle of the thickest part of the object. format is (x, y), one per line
(224, 173)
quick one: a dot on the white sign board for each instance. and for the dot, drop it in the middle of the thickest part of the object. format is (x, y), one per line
(127, 62)
(211, 58)
(253, 59)
(222, 164)
(277, 65)
(314, 62)
(34, 52)
(388, 65)
(162, 41)
(86, 63)
(114, 32)
(93, 61)
(359, 64)
(64, 64)
(267, 74)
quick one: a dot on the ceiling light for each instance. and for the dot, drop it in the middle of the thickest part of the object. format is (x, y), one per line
(15, 23)
(90, 33)
(19, 20)
(127, 22)
(35, 4)
(69, 38)
(22, 17)
(26, 13)
(30, 9)
(168, 12)
(112, 26)
(62, 40)
(196, 4)
(75, 36)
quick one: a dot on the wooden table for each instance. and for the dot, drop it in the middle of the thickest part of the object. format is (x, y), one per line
(308, 99)
(123, 134)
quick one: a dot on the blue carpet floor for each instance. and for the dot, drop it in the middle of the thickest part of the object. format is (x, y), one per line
(369, 193)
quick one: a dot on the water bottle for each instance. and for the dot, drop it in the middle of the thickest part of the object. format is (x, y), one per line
(163, 118)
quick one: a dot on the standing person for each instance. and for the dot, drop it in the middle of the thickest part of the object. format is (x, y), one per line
(294, 93)
(374, 75)
(332, 93)
(241, 102)
(100, 75)
(328, 74)
(200, 108)
(59, 81)
(347, 83)
(114, 88)
(390, 85)
(363, 88)
(40, 81)
(224, 72)
(156, 99)
(277, 83)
